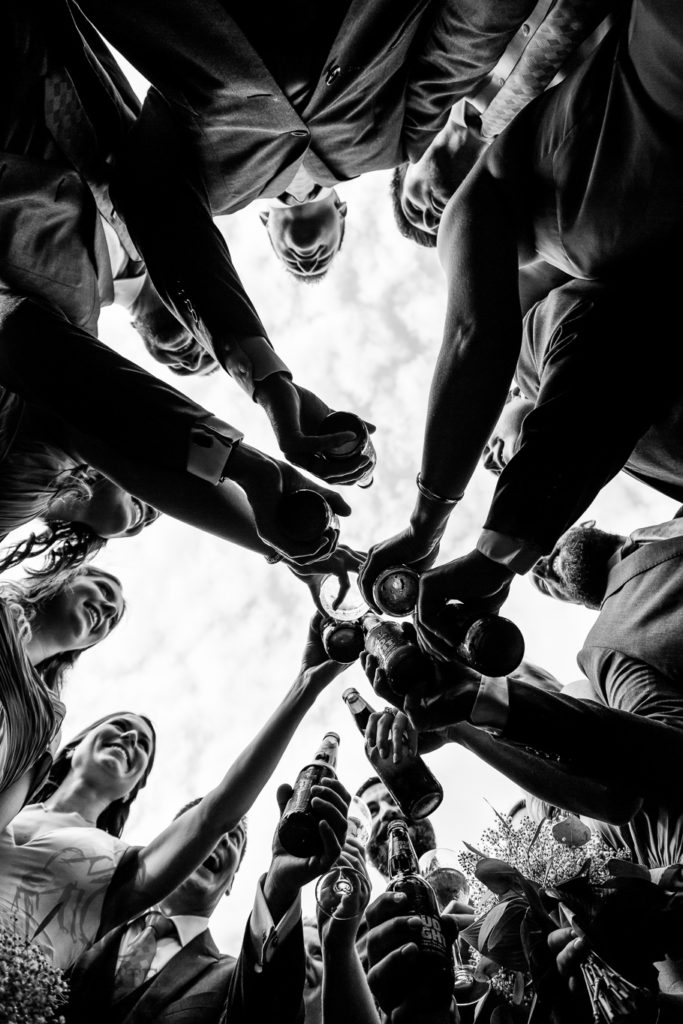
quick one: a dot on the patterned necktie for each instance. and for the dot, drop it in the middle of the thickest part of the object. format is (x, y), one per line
(137, 960)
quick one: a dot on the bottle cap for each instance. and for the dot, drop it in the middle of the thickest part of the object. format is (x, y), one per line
(334, 734)
(350, 693)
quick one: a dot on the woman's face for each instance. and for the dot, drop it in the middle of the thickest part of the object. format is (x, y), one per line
(83, 613)
(114, 756)
(113, 512)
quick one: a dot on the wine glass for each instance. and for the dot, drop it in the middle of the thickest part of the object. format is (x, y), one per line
(438, 867)
(343, 892)
(351, 608)
(359, 821)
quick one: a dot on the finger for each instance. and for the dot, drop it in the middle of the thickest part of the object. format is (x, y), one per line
(328, 442)
(387, 906)
(382, 687)
(371, 728)
(337, 786)
(390, 935)
(387, 980)
(344, 587)
(331, 845)
(434, 645)
(459, 907)
(559, 939)
(337, 503)
(329, 804)
(372, 429)
(401, 732)
(282, 796)
(384, 726)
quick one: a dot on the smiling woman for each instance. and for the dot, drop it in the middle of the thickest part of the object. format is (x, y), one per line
(45, 624)
(66, 876)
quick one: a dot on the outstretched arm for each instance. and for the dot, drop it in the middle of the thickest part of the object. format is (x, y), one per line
(186, 842)
(482, 336)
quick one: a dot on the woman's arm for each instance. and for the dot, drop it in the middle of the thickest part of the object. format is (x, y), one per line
(185, 843)
(346, 993)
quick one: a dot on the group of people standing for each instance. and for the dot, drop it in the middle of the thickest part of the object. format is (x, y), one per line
(538, 148)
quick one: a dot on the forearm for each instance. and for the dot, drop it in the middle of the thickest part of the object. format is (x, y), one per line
(181, 847)
(482, 335)
(220, 509)
(346, 993)
(590, 364)
(626, 750)
(186, 255)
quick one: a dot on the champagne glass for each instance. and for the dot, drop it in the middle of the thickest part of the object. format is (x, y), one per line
(343, 892)
(438, 867)
(351, 608)
(360, 821)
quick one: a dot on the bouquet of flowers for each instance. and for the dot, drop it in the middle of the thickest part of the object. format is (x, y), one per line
(517, 879)
(31, 989)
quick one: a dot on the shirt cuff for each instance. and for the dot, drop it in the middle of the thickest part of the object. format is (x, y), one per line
(252, 360)
(517, 554)
(490, 711)
(265, 935)
(211, 441)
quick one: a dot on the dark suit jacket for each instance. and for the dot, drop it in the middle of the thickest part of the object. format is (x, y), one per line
(604, 400)
(51, 241)
(198, 986)
(217, 131)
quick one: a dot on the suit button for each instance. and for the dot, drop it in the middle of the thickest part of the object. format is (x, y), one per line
(300, 133)
(333, 73)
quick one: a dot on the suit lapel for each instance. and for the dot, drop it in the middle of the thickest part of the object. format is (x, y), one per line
(93, 976)
(644, 558)
(191, 961)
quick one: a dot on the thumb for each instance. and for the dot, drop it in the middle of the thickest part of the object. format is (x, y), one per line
(328, 442)
(371, 426)
(283, 794)
(335, 501)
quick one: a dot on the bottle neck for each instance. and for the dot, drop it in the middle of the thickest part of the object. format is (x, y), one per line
(402, 856)
(361, 712)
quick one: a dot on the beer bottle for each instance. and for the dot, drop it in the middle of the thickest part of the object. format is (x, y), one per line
(395, 591)
(343, 641)
(410, 782)
(336, 422)
(305, 515)
(298, 828)
(407, 668)
(435, 976)
(490, 644)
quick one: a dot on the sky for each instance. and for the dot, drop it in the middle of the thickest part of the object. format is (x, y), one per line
(213, 635)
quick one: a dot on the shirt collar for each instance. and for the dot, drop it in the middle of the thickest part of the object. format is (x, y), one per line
(189, 927)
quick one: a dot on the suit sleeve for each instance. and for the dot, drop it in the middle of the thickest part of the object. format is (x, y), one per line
(598, 396)
(630, 752)
(459, 44)
(66, 372)
(160, 191)
(272, 991)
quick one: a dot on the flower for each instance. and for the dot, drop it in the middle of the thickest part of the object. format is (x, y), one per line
(31, 989)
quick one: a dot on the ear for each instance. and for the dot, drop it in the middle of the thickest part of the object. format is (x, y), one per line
(125, 799)
(341, 208)
(264, 216)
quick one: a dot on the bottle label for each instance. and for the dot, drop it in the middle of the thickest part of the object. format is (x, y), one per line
(383, 640)
(432, 938)
(309, 777)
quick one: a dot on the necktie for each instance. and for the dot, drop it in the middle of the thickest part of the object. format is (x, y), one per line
(72, 130)
(137, 960)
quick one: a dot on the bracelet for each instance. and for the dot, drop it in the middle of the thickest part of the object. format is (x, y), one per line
(273, 557)
(431, 496)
